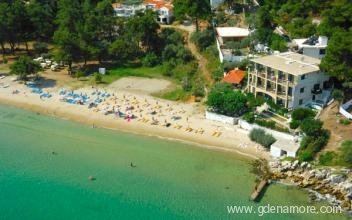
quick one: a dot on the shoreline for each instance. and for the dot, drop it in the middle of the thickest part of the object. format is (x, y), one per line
(80, 114)
(188, 142)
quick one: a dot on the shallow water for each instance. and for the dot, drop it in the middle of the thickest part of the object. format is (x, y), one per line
(171, 180)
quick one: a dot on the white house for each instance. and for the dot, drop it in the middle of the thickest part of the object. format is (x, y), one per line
(163, 9)
(229, 34)
(123, 10)
(289, 79)
(313, 46)
(284, 148)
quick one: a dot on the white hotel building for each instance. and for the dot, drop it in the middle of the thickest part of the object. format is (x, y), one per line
(289, 79)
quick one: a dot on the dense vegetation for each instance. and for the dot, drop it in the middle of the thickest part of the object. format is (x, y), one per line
(315, 138)
(194, 9)
(300, 19)
(24, 67)
(223, 99)
(87, 30)
(343, 157)
(298, 115)
(262, 138)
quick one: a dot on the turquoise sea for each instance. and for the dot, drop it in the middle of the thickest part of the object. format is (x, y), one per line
(171, 180)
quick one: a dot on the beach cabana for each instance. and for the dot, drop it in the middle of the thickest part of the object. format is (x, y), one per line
(284, 148)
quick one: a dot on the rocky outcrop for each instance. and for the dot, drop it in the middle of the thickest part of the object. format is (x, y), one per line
(329, 184)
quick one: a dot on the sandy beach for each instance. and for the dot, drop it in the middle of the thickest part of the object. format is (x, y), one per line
(127, 105)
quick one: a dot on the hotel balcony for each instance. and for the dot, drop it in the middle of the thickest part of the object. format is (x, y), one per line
(281, 80)
(261, 74)
(260, 86)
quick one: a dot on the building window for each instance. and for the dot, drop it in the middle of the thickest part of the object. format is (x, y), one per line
(290, 78)
(303, 77)
(301, 90)
(289, 91)
(313, 98)
(300, 101)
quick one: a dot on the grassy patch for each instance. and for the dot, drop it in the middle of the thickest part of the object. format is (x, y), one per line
(345, 121)
(118, 73)
(177, 94)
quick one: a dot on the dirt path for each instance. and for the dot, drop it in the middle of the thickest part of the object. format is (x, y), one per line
(202, 62)
(338, 131)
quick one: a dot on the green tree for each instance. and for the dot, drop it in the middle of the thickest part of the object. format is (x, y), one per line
(24, 67)
(196, 9)
(203, 39)
(122, 50)
(311, 127)
(336, 18)
(278, 43)
(4, 26)
(42, 15)
(299, 114)
(145, 29)
(66, 36)
(301, 27)
(337, 62)
(224, 100)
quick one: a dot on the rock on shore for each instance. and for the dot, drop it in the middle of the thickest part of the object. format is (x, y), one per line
(329, 184)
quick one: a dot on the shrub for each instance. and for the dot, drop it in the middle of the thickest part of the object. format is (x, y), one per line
(346, 150)
(186, 84)
(97, 78)
(327, 158)
(310, 145)
(217, 75)
(78, 74)
(276, 108)
(311, 127)
(203, 39)
(294, 124)
(305, 155)
(265, 123)
(344, 121)
(168, 67)
(171, 36)
(177, 52)
(259, 136)
(249, 117)
(254, 101)
(300, 114)
(198, 88)
(150, 60)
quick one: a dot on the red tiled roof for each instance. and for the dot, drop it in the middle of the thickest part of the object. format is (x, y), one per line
(234, 76)
(116, 5)
(159, 4)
